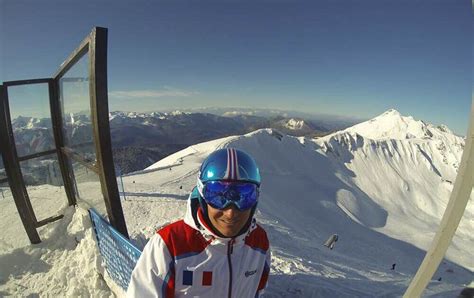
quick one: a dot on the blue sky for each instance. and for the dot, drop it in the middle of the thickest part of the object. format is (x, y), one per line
(352, 58)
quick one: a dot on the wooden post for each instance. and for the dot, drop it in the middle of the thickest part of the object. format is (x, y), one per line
(100, 122)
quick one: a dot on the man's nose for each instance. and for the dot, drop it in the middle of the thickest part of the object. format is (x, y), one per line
(230, 211)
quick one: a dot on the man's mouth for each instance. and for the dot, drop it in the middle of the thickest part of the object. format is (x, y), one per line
(230, 222)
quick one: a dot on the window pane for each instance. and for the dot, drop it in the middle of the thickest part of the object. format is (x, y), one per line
(75, 102)
(88, 188)
(44, 184)
(31, 118)
(3, 174)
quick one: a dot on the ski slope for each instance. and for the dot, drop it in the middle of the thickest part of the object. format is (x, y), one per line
(383, 196)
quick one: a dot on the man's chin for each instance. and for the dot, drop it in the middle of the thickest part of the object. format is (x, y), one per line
(229, 230)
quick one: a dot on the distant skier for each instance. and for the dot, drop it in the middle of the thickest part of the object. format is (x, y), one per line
(331, 242)
(393, 266)
(217, 250)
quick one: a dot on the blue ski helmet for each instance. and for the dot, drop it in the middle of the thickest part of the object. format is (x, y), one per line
(229, 164)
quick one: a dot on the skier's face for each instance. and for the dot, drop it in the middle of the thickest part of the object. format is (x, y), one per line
(228, 221)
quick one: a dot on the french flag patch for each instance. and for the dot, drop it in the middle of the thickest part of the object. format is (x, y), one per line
(187, 278)
(207, 278)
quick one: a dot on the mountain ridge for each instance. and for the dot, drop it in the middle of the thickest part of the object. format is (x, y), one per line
(375, 182)
(139, 139)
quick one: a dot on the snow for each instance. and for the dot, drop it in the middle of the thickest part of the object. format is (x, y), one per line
(411, 177)
(177, 113)
(392, 125)
(294, 124)
(65, 264)
(32, 123)
(383, 196)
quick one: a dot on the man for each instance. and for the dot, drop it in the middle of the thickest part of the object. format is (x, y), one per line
(217, 250)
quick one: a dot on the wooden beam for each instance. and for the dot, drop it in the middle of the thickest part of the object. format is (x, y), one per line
(35, 155)
(100, 116)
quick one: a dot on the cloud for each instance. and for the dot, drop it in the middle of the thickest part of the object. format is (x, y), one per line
(237, 113)
(166, 92)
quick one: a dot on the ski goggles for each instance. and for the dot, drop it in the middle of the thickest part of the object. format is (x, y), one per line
(220, 194)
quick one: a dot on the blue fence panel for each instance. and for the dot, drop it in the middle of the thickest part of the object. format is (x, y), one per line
(119, 255)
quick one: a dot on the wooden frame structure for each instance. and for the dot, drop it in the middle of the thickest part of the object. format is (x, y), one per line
(95, 46)
(12, 163)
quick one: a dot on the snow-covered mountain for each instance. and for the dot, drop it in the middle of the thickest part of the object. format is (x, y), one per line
(240, 121)
(392, 125)
(295, 124)
(330, 121)
(383, 196)
(32, 134)
(408, 167)
(140, 139)
(22, 122)
(152, 118)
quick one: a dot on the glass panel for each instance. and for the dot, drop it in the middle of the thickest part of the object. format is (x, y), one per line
(10, 237)
(44, 184)
(88, 188)
(31, 118)
(75, 102)
(3, 175)
(120, 184)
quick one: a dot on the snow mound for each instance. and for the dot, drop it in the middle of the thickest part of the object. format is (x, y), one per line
(64, 264)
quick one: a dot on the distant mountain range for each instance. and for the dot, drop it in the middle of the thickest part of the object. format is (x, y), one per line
(330, 122)
(140, 139)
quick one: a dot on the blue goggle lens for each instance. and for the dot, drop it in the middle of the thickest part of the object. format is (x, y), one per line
(220, 194)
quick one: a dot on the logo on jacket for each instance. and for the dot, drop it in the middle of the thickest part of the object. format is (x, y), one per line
(249, 273)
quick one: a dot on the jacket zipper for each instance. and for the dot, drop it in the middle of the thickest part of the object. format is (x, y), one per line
(230, 249)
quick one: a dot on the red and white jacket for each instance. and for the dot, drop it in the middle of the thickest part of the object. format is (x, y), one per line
(187, 259)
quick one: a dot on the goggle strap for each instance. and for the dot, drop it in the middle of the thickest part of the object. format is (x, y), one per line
(200, 187)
